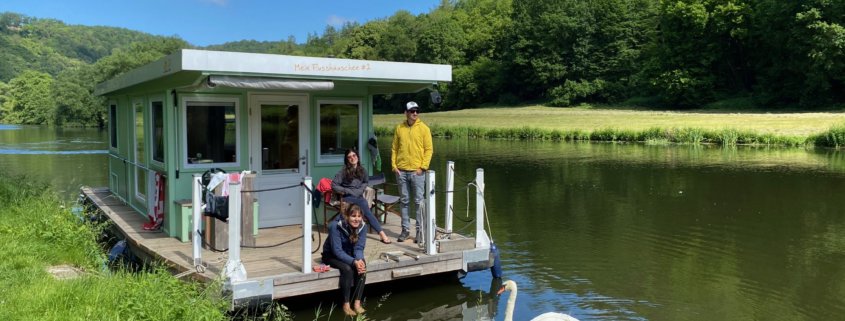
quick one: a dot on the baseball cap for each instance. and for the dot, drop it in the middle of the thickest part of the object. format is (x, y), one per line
(411, 105)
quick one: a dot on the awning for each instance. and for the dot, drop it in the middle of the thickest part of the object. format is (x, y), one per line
(268, 83)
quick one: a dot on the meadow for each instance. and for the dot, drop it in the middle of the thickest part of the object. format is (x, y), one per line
(725, 127)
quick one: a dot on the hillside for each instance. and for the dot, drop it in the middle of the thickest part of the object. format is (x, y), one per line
(51, 46)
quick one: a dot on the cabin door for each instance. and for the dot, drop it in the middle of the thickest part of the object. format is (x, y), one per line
(278, 148)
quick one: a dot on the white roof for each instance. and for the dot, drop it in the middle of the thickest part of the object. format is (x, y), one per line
(278, 66)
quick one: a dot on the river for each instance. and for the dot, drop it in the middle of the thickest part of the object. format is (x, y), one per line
(598, 231)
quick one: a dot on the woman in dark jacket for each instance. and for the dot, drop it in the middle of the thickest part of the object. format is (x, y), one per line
(351, 181)
(344, 250)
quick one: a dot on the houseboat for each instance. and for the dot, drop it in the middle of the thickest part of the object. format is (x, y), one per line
(283, 121)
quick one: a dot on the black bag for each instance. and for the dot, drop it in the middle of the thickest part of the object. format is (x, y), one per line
(215, 206)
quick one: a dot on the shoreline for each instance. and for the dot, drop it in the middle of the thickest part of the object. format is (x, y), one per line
(726, 128)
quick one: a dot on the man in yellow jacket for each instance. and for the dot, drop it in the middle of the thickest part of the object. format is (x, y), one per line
(410, 156)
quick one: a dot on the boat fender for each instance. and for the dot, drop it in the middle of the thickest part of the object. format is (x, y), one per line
(496, 269)
(117, 251)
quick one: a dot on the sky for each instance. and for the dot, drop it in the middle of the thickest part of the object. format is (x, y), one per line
(210, 22)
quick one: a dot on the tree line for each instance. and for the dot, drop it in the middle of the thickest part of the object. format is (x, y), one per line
(674, 54)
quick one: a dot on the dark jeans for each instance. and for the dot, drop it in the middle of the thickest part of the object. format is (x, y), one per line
(348, 277)
(362, 203)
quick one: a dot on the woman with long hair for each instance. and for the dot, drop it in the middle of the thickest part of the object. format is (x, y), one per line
(351, 181)
(344, 250)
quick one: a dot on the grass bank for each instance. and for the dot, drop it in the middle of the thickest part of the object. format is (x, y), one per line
(825, 129)
(36, 233)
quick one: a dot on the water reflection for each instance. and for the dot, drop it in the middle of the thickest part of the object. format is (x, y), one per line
(439, 298)
(598, 231)
(636, 232)
(67, 158)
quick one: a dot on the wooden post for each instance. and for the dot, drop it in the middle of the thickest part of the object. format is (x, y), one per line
(450, 189)
(306, 225)
(481, 238)
(196, 241)
(247, 209)
(234, 269)
(430, 223)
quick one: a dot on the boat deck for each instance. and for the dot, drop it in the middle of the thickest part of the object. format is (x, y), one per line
(281, 264)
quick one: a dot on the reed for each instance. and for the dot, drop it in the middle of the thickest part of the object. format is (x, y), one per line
(720, 126)
(833, 137)
(652, 136)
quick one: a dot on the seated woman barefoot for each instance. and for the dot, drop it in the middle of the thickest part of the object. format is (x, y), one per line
(344, 250)
(351, 181)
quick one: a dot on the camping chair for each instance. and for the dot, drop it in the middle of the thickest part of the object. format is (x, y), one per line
(336, 204)
(332, 203)
(383, 203)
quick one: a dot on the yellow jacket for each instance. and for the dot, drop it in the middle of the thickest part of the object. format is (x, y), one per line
(412, 148)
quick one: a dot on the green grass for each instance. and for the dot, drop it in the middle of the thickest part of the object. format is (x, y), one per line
(36, 233)
(721, 126)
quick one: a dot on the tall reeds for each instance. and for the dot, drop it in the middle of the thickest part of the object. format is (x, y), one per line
(655, 135)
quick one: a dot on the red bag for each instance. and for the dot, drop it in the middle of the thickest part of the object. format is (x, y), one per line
(325, 187)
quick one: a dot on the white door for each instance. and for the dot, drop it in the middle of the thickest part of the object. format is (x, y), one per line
(278, 154)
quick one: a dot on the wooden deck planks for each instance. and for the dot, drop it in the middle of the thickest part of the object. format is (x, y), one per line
(282, 263)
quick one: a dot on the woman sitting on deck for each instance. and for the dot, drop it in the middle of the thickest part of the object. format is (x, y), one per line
(350, 182)
(344, 250)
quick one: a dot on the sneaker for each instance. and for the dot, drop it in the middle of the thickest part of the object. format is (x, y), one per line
(418, 237)
(403, 236)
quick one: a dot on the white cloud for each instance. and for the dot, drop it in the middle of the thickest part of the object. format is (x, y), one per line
(337, 21)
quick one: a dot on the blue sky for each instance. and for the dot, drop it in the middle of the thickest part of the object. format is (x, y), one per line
(207, 22)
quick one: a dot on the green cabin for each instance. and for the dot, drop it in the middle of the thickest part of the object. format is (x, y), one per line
(281, 117)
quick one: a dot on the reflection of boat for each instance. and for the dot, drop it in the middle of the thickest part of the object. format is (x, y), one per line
(443, 299)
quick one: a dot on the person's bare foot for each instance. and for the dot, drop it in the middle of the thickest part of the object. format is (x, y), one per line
(348, 310)
(358, 307)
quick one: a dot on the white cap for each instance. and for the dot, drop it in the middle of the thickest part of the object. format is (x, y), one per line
(411, 105)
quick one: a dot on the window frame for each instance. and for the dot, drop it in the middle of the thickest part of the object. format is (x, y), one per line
(183, 135)
(151, 128)
(140, 194)
(337, 159)
(113, 132)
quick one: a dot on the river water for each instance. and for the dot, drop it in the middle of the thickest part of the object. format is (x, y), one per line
(598, 231)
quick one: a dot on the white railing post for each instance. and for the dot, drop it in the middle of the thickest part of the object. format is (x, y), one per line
(481, 238)
(430, 220)
(450, 194)
(196, 215)
(306, 225)
(234, 269)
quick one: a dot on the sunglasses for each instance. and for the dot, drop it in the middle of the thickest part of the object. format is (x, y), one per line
(414, 111)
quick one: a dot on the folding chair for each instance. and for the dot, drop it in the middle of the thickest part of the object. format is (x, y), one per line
(383, 203)
(333, 203)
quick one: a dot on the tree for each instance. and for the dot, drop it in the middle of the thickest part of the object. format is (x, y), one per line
(398, 43)
(75, 100)
(799, 56)
(554, 44)
(138, 54)
(30, 99)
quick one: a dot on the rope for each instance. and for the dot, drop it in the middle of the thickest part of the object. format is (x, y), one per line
(484, 203)
(275, 188)
(183, 274)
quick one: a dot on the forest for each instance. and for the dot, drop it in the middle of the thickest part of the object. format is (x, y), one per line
(666, 54)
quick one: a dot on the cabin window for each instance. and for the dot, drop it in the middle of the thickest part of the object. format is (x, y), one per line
(113, 125)
(157, 109)
(211, 131)
(140, 151)
(340, 128)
